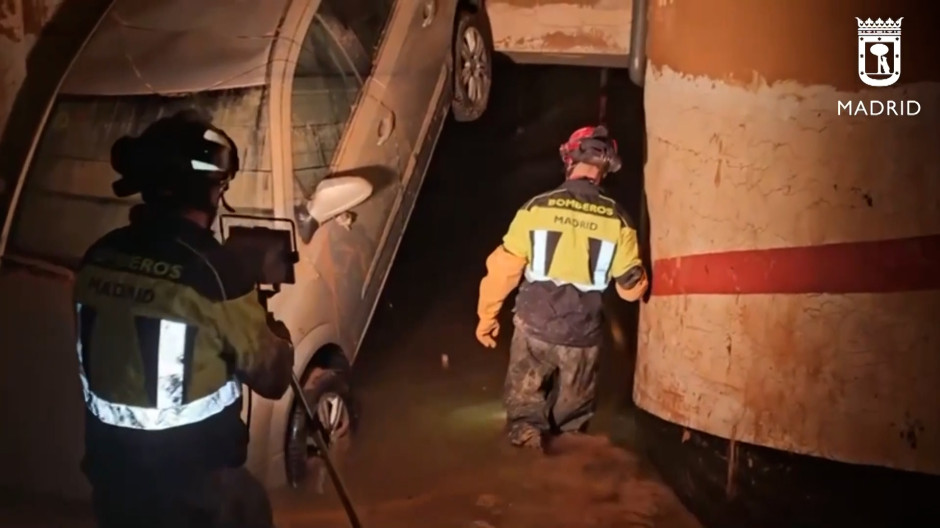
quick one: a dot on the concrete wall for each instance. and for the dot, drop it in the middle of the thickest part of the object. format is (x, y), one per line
(793, 302)
(31, 68)
(573, 32)
(20, 24)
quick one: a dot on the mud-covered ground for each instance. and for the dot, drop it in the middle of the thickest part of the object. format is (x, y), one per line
(429, 449)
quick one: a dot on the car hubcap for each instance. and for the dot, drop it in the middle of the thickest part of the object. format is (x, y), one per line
(473, 64)
(333, 416)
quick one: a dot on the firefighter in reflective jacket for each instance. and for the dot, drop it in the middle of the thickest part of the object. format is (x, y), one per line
(168, 329)
(568, 244)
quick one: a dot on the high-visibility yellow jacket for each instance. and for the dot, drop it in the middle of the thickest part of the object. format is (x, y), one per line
(568, 244)
(168, 328)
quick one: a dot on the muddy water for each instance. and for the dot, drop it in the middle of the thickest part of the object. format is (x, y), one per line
(434, 453)
(584, 482)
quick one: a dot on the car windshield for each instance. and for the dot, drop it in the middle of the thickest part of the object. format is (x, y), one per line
(67, 203)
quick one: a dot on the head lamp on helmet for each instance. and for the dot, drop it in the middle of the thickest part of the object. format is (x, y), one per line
(593, 146)
(177, 159)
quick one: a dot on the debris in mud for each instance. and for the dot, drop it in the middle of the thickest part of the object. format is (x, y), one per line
(487, 500)
(346, 220)
(445, 361)
(482, 524)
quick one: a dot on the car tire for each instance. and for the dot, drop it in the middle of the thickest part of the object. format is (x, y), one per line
(327, 391)
(473, 65)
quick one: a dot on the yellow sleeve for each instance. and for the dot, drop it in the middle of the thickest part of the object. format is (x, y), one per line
(504, 267)
(627, 268)
(516, 240)
(244, 327)
(627, 254)
(504, 270)
(264, 359)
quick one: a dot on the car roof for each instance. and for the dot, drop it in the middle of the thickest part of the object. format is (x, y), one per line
(177, 46)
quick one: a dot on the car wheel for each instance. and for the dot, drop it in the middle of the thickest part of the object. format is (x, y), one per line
(327, 391)
(473, 66)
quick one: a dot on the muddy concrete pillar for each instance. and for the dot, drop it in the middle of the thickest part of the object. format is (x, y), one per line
(792, 183)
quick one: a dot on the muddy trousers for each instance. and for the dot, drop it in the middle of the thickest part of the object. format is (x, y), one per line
(549, 387)
(222, 498)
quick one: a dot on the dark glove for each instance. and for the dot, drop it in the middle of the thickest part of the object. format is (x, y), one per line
(631, 278)
(279, 329)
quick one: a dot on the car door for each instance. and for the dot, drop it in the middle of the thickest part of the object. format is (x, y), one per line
(413, 61)
(341, 126)
(413, 67)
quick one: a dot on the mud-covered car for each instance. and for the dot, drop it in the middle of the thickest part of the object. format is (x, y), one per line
(336, 106)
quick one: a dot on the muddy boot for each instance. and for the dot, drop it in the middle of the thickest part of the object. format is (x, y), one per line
(525, 435)
(580, 431)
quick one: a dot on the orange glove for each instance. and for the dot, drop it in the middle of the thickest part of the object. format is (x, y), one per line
(503, 273)
(487, 331)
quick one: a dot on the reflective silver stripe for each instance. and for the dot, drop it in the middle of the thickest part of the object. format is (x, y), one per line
(537, 270)
(215, 137)
(539, 252)
(170, 360)
(170, 412)
(604, 258)
(152, 419)
(78, 347)
(203, 166)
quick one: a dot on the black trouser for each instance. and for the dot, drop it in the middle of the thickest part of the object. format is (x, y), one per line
(226, 497)
(568, 403)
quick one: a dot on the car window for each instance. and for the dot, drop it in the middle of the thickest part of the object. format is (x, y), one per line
(67, 203)
(327, 84)
(366, 19)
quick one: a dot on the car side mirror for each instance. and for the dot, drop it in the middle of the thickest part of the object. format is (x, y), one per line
(332, 197)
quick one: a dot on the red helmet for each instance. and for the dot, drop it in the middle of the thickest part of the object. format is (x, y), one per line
(591, 145)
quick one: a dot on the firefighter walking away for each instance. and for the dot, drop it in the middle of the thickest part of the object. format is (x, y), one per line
(169, 327)
(566, 246)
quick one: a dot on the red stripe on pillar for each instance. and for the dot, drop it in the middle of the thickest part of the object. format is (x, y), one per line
(883, 266)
